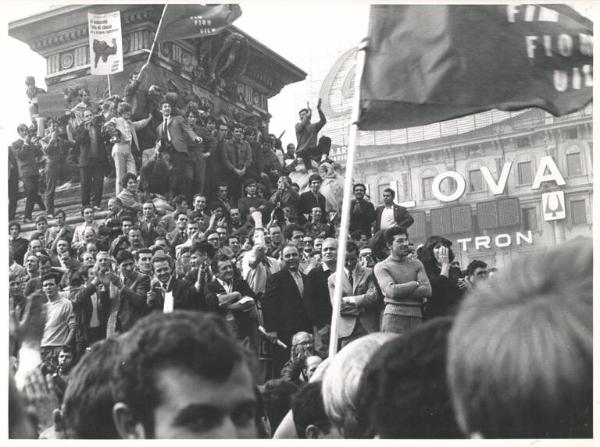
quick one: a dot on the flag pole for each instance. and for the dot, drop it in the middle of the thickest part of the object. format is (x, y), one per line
(345, 222)
(154, 41)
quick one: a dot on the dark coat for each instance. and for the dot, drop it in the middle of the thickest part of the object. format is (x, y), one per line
(362, 216)
(307, 202)
(185, 297)
(245, 321)
(401, 217)
(132, 301)
(27, 156)
(82, 150)
(284, 309)
(317, 291)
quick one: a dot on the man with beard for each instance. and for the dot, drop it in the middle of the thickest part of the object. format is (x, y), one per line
(403, 282)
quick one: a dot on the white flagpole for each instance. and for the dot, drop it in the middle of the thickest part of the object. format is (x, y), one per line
(154, 41)
(345, 223)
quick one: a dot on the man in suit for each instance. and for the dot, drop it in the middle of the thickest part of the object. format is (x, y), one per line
(363, 213)
(130, 305)
(179, 235)
(232, 298)
(391, 215)
(92, 159)
(317, 292)
(285, 309)
(13, 183)
(27, 154)
(360, 309)
(174, 133)
(310, 199)
(168, 293)
(149, 224)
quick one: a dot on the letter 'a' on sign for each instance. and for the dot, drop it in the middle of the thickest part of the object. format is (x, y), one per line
(553, 204)
(553, 175)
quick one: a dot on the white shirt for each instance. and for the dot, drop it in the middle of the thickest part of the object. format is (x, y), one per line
(387, 218)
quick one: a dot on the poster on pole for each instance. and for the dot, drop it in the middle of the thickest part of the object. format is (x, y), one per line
(106, 47)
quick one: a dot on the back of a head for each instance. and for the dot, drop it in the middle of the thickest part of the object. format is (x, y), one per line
(520, 352)
(308, 409)
(403, 392)
(88, 401)
(339, 396)
(195, 341)
(277, 397)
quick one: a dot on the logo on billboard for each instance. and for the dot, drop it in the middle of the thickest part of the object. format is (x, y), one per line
(554, 205)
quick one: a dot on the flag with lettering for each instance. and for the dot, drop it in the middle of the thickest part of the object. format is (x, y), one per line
(429, 63)
(190, 21)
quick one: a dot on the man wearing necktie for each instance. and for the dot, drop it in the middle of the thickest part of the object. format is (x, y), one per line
(174, 134)
(286, 309)
(361, 305)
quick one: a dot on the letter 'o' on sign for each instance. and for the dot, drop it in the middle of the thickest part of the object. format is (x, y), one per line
(461, 185)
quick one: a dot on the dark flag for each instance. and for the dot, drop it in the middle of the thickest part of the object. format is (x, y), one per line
(190, 21)
(430, 63)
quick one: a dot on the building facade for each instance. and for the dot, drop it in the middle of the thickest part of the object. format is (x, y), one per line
(497, 191)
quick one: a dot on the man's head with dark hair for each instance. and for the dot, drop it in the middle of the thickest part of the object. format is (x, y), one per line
(310, 419)
(476, 271)
(183, 375)
(403, 392)
(277, 397)
(88, 401)
(520, 353)
(388, 196)
(294, 233)
(391, 232)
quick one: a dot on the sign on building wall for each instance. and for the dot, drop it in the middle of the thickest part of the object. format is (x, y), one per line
(106, 46)
(554, 205)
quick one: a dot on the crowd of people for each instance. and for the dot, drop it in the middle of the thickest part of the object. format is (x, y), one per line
(198, 302)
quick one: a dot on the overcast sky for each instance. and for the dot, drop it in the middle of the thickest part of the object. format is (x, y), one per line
(311, 34)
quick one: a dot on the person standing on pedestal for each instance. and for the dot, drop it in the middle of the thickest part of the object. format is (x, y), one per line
(237, 157)
(174, 134)
(127, 144)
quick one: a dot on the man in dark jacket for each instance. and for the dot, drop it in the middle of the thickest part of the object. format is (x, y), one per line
(168, 293)
(91, 159)
(362, 214)
(285, 308)
(391, 215)
(27, 154)
(310, 199)
(231, 296)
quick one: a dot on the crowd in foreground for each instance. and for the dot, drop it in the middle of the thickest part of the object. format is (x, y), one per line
(200, 304)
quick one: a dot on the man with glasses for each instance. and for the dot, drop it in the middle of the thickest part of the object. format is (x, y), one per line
(403, 282)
